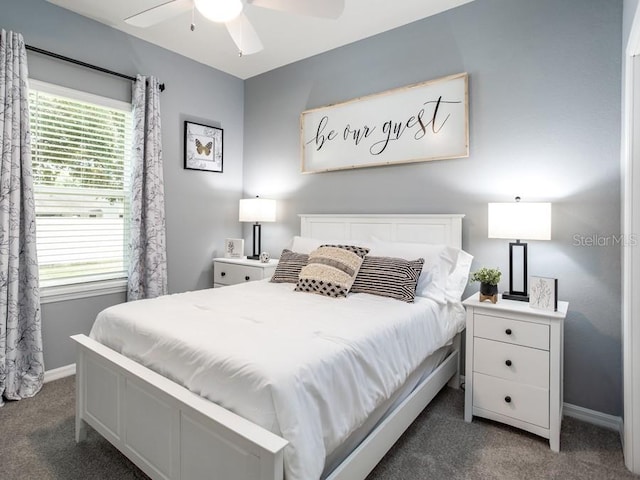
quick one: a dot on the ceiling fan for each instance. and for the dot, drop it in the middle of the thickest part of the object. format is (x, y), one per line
(230, 12)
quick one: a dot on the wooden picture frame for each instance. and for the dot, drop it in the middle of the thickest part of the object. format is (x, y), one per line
(203, 147)
(543, 293)
(416, 123)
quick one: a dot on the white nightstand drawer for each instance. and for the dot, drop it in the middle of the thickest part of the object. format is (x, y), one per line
(523, 402)
(529, 334)
(229, 274)
(524, 365)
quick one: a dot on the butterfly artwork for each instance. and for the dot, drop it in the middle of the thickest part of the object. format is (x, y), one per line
(202, 147)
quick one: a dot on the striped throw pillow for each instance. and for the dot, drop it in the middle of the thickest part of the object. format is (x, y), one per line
(388, 277)
(289, 267)
(331, 270)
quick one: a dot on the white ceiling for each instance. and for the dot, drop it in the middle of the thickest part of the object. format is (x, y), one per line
(286, 37)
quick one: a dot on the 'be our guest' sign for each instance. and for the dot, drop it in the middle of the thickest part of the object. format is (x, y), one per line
(426, 121)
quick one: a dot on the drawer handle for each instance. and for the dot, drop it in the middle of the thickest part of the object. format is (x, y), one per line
(222, 274)
(246, 278)
(508, 363)
(508, 331)
(507, 399)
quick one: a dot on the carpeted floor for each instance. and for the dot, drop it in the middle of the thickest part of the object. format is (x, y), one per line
(37, 442)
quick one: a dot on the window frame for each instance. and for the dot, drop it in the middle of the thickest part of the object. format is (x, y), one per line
(91, 288)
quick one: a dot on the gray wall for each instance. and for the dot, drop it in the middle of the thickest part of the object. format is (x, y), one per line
(545, 91)
(201, 207)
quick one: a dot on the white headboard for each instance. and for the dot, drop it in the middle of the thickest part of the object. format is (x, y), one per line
(424, 228)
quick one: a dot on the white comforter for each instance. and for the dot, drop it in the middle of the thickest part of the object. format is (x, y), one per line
(306, 367)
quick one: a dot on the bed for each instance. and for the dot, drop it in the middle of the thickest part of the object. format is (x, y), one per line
(142, 405)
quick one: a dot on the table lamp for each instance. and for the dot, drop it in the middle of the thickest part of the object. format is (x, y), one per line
(257, 210)
(519, 221)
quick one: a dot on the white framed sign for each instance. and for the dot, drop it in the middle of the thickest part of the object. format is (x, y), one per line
(416, 123)
(543, 293)
(234, 248)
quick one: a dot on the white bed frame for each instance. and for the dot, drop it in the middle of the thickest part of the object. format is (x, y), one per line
(171, 433)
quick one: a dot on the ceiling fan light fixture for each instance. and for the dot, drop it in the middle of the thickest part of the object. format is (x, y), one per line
(219, 10)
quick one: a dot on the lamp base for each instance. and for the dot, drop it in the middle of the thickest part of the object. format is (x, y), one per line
(253, 257)
(515, 296)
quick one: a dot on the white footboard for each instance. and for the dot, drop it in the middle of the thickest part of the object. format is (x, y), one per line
(167, 431)
(171, 433)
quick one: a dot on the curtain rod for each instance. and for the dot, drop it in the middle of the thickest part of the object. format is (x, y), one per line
(84, 64)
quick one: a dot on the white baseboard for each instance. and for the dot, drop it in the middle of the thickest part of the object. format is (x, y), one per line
(600, 419)
(58, 373)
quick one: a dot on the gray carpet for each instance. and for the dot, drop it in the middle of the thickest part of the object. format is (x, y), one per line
(37, 442)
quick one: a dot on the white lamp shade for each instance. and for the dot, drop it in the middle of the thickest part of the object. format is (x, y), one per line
(219, 10)
(257, 210)
(520, 221)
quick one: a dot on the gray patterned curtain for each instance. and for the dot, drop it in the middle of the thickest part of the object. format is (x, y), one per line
(147, 245)
(21, 359)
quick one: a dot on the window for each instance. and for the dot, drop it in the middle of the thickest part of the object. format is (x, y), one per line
(81, 146)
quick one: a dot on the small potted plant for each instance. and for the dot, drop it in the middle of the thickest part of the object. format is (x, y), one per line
(489, 279)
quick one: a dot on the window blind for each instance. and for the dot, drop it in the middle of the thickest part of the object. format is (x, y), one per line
(81, 147)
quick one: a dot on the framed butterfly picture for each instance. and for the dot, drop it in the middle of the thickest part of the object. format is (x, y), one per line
(202, 147)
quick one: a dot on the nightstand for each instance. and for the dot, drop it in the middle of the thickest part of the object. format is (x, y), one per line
(229, 271)
(514, 365)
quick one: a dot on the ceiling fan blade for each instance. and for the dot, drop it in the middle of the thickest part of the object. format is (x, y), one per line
(158, 14)
(313, 8)
(244, 35)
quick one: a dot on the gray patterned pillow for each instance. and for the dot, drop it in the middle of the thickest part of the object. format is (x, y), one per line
(331, 270)
(388, 277)
(289, 267)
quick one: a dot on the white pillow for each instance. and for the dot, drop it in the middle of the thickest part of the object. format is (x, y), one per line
(305, 244)
(459, 278)
(308, 244)
(439, 264)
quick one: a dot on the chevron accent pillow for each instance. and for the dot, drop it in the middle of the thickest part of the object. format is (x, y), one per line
(388, 277)
(289, 267)
(331, 270)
